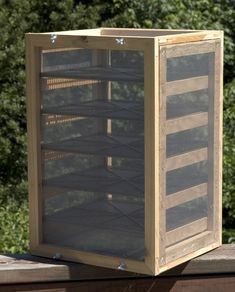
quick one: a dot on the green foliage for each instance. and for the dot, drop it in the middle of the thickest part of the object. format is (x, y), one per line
(14, 227)
(20, 16)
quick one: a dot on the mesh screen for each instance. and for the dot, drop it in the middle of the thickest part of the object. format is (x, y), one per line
(192, 174)
(186, 213)
(184, 67)
(92, 129)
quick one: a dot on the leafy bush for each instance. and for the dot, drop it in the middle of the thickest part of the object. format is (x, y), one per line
(14, 227)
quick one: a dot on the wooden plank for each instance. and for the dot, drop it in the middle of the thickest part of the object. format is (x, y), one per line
(208, 283)
(218, 121)
(162, 157)
(186, 122)
(186, 38)
(83, 32)
(188, 249)
(219, 260)
(25, 268)
(33, 68)
(141, 32)
(187, 49)
(58, 83)
(89, 42)
(185, 159)
(49, 120)
(92, 258)
(186, 231)
(54, 155)
(215, 140)
(219, 56)
(97, 73)
(151, 148)
(187, 195)
(186, 85)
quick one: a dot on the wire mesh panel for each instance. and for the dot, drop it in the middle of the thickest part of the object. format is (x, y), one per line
(187, 148)
(92, 148)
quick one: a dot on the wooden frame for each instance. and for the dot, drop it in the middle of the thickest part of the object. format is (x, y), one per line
(163, 249)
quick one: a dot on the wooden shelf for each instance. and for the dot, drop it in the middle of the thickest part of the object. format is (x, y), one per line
(101, 144)
(130, 110)
(99, 73)
(99, 223)
(115, 180)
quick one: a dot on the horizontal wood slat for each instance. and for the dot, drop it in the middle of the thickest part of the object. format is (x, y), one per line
(186, 85)
(186, 159)
(184, 196)
(98, 73)
(59, 119)
(58, 83)
(194, 49)
(186, 122)
(186, 231)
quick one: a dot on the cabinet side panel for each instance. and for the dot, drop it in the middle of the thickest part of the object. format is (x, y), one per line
(190, 152)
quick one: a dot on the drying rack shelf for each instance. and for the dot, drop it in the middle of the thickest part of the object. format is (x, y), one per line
(102, 144)
(117, 180)
(101, 219)
(99, 73)
(115, 109)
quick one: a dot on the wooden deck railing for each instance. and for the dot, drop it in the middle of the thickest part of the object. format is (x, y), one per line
(214, 271)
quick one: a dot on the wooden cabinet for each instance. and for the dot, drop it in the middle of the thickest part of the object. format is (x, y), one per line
(125, 146)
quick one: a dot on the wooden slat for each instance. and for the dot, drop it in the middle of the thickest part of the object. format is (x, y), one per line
(189, 248)
(97, 73)
(140, 32)
(162, 157)
(91, 42)
(215, 140)
(33, 68)
(188, 38)
(49, 120)
(83, 32)
(186, 85)
(91, 258)
(55, 155)
(186, 231)
(186, 122)
(151, 150)
(184, 196)
(185, 159)
(58, 83)
(194, 48)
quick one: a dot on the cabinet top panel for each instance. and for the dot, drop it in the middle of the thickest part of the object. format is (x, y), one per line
(121, 35)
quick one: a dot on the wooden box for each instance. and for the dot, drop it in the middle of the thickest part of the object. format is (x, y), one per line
(125, 146)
